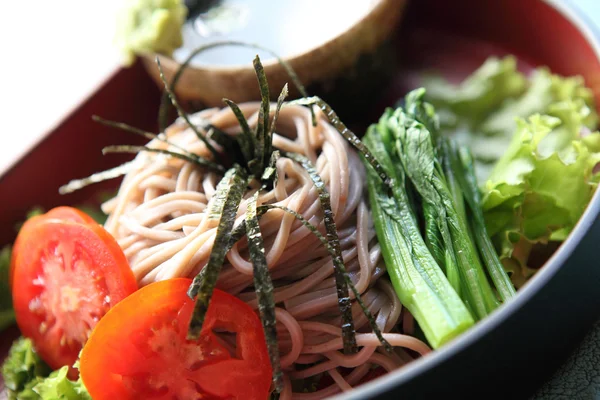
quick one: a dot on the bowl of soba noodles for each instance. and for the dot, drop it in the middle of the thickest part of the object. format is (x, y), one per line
(437, 243)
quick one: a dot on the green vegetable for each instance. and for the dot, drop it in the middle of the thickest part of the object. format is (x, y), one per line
(27, 377)
(521, 133)
(460, 166)
(150, 26)
(419, 282)
(23, 366)
(539, 189)
(480, 112)
(415, 148)
(58, 387)
(7, 315)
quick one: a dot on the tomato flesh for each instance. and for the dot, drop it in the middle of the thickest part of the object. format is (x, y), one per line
(66, 276)
(63, 213)
(142, 349)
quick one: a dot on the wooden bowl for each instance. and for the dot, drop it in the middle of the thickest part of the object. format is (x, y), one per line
(317, 67)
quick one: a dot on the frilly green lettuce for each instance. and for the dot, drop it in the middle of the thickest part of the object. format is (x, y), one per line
(150, 26)
(540, 188)
(480, 112)
(27, 377)
(534, 147)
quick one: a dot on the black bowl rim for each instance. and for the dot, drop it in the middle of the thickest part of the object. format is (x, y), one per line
(394, 379)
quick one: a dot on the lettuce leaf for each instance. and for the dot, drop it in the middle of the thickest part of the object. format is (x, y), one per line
(481, 111)
(540, 188)
(27, 377)
(58, 387)
(534, 147)
(22, 369)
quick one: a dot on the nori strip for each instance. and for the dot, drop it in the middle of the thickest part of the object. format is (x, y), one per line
(183, 114)
(233, 192)
(164, 102)
(344, 304)
(263, 286)
(262, 127)
(347, 134)
(112, 173)
(325, 242)
(136, 149)
(140, 132)
(245, 139)
(271, 127)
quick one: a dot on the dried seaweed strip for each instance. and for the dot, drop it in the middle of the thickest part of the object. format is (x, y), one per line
(262, 127)
(246, 139)
(269, 176)
(137, 149)
(341, 266)
(112, 173)
(263, 286)
(238, 182)
(164, 103)
(344, 304)
(183, 114)
(273, 123)
(141, 132)
(347, 134)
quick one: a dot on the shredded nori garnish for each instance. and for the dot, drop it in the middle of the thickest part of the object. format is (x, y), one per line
(263, 286)
(143, 133)
(341, 266)
(183, 114)
(269, 176)
(233, 192)
(164, 102)
(344, 303)
(346, 133)
(262, 127)
(271, 127)
(245, 139)
(112, 173)
(252, 155)
(126, 148)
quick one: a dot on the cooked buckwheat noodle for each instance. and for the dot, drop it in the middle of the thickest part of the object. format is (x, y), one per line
(160, 219)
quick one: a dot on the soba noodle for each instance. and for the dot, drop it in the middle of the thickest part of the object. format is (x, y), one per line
(160, 218)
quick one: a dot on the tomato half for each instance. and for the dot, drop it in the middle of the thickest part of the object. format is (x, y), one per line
(63, 213)
(66, 213)
(66, 275)
(139, 350)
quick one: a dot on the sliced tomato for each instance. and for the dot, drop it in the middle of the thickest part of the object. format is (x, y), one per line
(63, 213)
(66, 213)
(66, 276)
(139, 350)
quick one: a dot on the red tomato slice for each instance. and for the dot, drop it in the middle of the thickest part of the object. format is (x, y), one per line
(139, 349)
(66, 277)
(63, 213)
